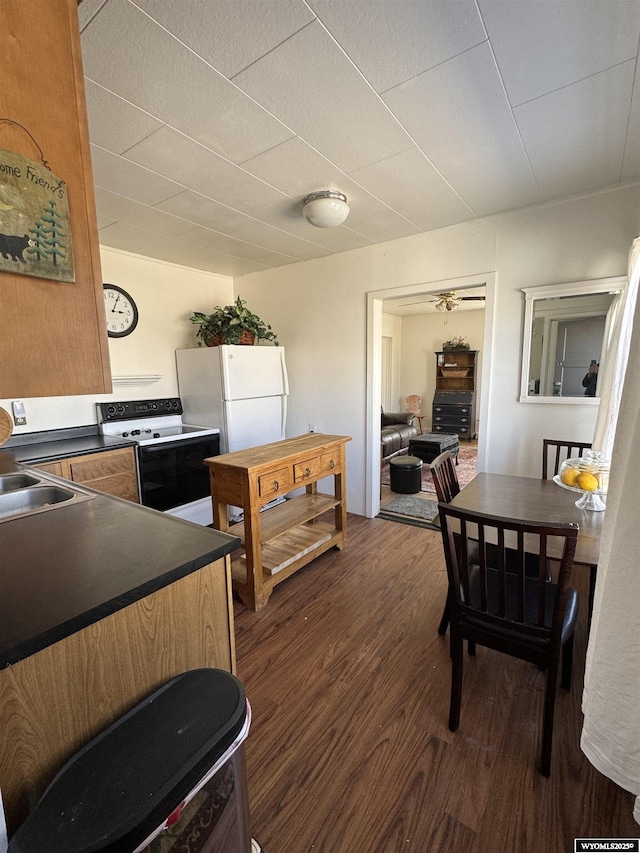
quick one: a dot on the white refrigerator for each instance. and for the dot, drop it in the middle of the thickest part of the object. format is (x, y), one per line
(240, 389)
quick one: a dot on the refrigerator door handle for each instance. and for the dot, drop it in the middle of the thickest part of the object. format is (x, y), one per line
(284, 413)
(285, 378)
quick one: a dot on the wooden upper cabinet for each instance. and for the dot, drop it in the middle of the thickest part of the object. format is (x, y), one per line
(53, 337)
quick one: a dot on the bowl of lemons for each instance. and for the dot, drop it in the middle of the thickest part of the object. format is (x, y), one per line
(588, 475)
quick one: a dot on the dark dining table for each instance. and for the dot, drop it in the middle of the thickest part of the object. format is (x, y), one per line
(530, 499)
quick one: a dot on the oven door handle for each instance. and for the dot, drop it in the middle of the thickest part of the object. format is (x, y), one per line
(159, 446)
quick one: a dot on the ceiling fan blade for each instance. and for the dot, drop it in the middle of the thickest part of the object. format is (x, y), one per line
(469, 298)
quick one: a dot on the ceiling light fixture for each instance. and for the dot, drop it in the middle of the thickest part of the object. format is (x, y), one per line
(325, 209)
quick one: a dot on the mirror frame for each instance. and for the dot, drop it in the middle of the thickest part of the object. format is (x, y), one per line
(575, 288)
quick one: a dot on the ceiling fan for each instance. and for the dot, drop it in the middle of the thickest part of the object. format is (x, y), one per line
(449, 300)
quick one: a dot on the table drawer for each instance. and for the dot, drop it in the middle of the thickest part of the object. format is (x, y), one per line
(274, 482)
(330, 462)
(307, 470)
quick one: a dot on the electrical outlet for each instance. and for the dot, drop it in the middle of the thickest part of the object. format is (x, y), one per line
(19, 413)
(312, 427)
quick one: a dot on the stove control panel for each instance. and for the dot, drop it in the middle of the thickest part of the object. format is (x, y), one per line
(126, 411)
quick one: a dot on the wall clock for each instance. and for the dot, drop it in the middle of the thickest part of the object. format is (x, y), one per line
(121, 311)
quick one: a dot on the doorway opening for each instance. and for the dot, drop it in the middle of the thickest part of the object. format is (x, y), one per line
(416, 298)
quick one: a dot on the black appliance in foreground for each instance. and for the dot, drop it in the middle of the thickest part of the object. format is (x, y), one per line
(170, 454)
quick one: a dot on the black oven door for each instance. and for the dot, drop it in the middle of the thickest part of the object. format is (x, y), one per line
(173, 473)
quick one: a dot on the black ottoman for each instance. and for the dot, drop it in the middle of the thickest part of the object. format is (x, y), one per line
(406, 474)
(431, 444)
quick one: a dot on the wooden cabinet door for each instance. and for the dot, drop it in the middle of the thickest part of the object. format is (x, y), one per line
(52, 468)
(112, 472)
(53, 338)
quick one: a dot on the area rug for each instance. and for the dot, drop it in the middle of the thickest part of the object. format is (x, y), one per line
(409, 509)
(466, 469)
(199, 818)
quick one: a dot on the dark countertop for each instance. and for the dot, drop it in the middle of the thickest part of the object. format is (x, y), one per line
(66, 568)
(62, 443)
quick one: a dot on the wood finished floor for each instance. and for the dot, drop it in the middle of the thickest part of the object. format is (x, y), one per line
(349, 748)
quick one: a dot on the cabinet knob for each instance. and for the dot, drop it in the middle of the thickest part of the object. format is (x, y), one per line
(307, 472)
(332, 464)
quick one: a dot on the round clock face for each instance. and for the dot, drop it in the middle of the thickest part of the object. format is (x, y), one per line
(121, 311)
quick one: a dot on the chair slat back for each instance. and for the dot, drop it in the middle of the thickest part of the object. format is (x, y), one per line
(444, 476)
(495, 592)
(557, 451)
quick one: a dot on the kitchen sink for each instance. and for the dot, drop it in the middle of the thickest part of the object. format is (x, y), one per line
(38, 498)
(11, 482)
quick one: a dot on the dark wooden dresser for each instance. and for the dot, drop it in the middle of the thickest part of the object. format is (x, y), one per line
(454, 400)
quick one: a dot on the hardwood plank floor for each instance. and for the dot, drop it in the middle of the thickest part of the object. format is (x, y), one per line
(349, 748)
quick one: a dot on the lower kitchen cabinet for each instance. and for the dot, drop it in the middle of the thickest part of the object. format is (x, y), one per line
(110, 471)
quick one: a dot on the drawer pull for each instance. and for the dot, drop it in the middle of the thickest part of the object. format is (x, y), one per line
(332, 464)
(276, 485)
(307, 472)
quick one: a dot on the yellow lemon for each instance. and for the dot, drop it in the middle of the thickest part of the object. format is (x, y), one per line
(587, 482)
(569, 476)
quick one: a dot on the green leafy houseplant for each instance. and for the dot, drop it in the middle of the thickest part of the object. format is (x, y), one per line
(233, 324)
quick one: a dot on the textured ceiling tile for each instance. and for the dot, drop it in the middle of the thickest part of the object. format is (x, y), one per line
(184, 161)
(208, 213)
(132, 56)
(575, 136)
(121, 176)
(541, 45)
(297, 169)
(310, 85)
(410, 185)
(87, 10)
(392, 42)
(237, 248)
(459, 116)
(229, 35)
(115, 124)
(134, 213)
(140, 242)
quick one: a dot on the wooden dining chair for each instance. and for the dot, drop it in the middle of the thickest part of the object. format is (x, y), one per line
(558, 451)
(503, 608)
(447, 487)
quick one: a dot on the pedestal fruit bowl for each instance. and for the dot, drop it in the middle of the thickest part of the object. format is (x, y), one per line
(587, 475)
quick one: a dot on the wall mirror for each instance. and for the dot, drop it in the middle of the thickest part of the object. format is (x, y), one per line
(566, 329)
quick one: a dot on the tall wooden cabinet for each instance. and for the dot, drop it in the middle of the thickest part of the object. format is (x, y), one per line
(454, 401)
(53, 337)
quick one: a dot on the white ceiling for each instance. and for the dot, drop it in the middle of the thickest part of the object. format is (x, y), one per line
(210, 120)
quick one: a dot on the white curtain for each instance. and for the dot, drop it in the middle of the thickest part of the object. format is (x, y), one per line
(611, 698)
(616, 352)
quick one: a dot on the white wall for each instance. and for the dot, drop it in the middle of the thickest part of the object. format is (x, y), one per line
(318, 308)
(392, 329)
(422, 336)
(166, 296)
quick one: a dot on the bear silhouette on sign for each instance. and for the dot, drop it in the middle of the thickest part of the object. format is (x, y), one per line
(12, 246)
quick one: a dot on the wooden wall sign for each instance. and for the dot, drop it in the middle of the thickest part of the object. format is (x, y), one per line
(35, 230)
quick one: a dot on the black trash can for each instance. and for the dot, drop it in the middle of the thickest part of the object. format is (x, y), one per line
(137, 777)
(405, 474)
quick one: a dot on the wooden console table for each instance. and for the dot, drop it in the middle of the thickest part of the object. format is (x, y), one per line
(282, 539)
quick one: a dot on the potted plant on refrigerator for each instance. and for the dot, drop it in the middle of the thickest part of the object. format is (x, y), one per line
(233, 324)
